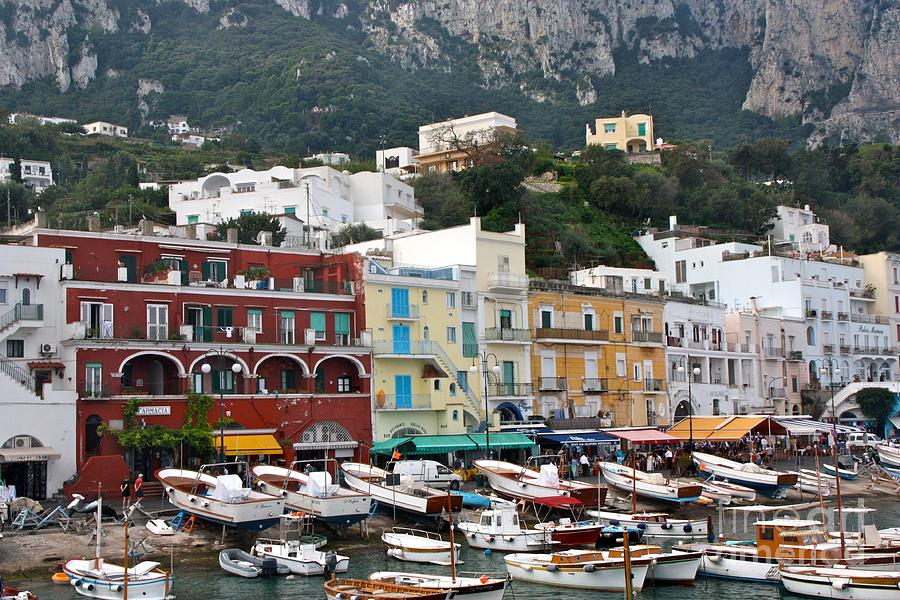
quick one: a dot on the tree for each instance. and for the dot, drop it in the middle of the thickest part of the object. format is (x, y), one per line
(249, 226)
(876, 403)
(15, 171)
(132, 177)
(353, 233)
(444, 202)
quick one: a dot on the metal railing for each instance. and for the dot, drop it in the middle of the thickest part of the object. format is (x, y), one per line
(842, 316)
(505, 334)
(654, 385)
(14, 371)
(873, 319)
(795, 355)
(408, 401)
(509, 389)
(565, 333)
(508, 280)
(646, 336)
(827, 315)
(811, 313)
(402, 311)
(22, 312)
(552, 383)
(594, 384)
(828, 348)
(774, 352)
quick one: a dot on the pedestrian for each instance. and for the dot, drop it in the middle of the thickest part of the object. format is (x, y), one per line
(574, 467)
(125, 488)
(139, 488)
(585, 464)
(669, 458)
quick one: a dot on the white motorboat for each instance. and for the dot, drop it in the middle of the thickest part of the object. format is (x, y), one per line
(732, 489)
(849, 584)
(810, 474)
(502, 530)
(407, 495)
(674, 567)
(314, 494)
(466, 588)
(766, 481)
(524, 483)
(656, 524)
(649, 485)
(847, 474)
(96, 578)
(237, 562)
(297, 548)
(811, 485)
(566, 532)
(221, 499)
(889, 455)
(366, 589)
(715, 494)
(582, 569)
(415, 545)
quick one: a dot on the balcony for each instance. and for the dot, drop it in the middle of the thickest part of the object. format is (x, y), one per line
(402, 312)
(777, 392)
(795, 356)
(594, 385)
(565, 333)
(654, 385)
(827, 315)
(811, 313)
(507, 282)
(649, 337)
(509, 389)
(403, 402)
(868, 294)
(845, 349)
(774, 352)
(25, 314)
(552, 384)
(828, 348)
(674, 342)
(842, 316)
(872, 319)
(505, 334)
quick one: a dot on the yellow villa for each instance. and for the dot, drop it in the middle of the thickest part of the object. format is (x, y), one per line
(597, 353)
(631, 134)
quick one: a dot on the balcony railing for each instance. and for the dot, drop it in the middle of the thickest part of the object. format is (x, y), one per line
(509, 389)
(774, 352)
(828, 348)
(795, 355)
(594, 385)
(401, 402)
(777, 392)
(548, 384)
(508, 281)
(844, 349)
(504, 334)
(646, 336)
(842, 316)
(654, 385)
(22, 312)
(827, 315)
(811, 313)
(13, 370)
(674, 341)
(565, 333)
(873, 319)
(402, 312)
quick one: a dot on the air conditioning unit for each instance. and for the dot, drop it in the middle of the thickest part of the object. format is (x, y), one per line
(67, 271)
(310, 337)
(298, 284)
(744, 409)
(22, 441)
(249, 336)
(48, 348)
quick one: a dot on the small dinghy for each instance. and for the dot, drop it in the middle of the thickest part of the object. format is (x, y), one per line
(159, 527)
(237, 562)
(842, 473)
(361, 589)
(732, 489)
(415, 545)
(470, 500)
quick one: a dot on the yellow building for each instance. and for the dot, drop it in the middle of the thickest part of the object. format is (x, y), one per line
(597, 353)
(630, 134)
(419, 375)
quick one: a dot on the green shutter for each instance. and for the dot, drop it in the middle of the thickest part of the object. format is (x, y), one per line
(470, 340)
(317, 321)
(207, 324)
(205, 270)
(342, 323)
(287, 314)
(224, 317)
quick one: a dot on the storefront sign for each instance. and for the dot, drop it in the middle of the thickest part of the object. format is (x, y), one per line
(154, 411)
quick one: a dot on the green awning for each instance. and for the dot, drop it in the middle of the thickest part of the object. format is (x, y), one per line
(503, 441)
(387, 446)
(437, 444)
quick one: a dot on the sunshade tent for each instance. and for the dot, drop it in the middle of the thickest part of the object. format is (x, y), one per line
(591, 438)
(798, 427)
(642, 435)
(725, 429)
(244, 445)
(387, 446)
(502, 441)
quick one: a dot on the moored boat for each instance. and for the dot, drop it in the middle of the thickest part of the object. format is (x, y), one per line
(581, 569)
(766, 481)
(237, 562)
(502, 530)
(649, 485)
(675, 567)
(889, 455)
(569, 533)
(407, 495)
(655, 524)
(732, 489)
(221, 499)
(416, 545)
(524, 483)
(847, 474)
(314, 494)
(362, 589)
(297, 548)
(96, 578)
(849, 584)
(483, 587)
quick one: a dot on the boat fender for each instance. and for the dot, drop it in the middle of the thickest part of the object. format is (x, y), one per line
(840, 584)
(484, 579)
(487, 552)
(59, 578)
(491, 539)
(510, 538)
(588, 568)
(642, 526)
(284, 493)
(267, 549)
(194, 500)
(341, 596)
(354, 598)
(119, 588)
(552, 568)
(688, 528)
(713, 558)
(205, 503)
(472, 536)
(89, 587)
(667, 526)
(76, 583)
(613, 522)
(170, 490)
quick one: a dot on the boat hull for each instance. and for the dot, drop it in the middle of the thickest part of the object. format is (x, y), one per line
(468, 588)
(576, 536)
(889, 456)
(842, 473)
(671, 528)
(769, 483)
(93, 586)
(526, 541)
(522, 567)
(749, 566)
(298, 565)
(503, 480)
(339, 511)
(405, 548)
(678, 568)
(834, 585)
(431, 504)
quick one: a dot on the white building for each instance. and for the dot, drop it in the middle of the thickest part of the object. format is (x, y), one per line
(37, 397)
(621, 279)
(14, 118)
(801, 229)
(321, 196)
(178, 124)
(105, 128)
(331, 159)
(189, 139)
(401, 162)
(36, 174)
(432, 137)
(843, 332)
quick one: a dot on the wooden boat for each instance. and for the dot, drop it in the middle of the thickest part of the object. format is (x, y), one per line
(96, 578)
(416, 545)
(314, 494)
(850, 584)
(732, 489)
(237, 562)
(655, 524)
(810, 474)
(502, 530)
(889, 455)
(572, 533)
(463, 588)
(8, 593)
(221, 499)
(675, 567)
(407, 495)
(362, 589)
(766, 481)
(583, 569)
(842, 473)
(649, 485)
(524, 483)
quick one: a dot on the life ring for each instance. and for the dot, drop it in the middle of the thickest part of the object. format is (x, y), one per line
(484, 579)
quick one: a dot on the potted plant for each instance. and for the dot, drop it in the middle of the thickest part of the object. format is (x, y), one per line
(257, 277)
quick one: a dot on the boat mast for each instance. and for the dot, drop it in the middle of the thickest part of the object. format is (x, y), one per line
(837, 479)
(452, 544)
(629, 593)
(99, 530)
(125, 578)
(819, 484)
(633, 485)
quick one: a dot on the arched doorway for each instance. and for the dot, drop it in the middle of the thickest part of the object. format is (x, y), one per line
(325, 439)
(682, 410)
(156, 378)
(509, 412)
(26, 296)
(28, 476)
(407, 432)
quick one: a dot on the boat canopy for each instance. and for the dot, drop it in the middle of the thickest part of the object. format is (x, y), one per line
(591, 438)
(725, 429)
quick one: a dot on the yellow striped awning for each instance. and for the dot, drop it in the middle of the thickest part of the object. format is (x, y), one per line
(243, 445)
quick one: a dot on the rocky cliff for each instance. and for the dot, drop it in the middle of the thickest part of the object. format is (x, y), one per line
(834, 62)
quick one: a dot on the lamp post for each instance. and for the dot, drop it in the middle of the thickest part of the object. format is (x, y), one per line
(485, 357)
(206, 369)
(683, 368)
(834, 452)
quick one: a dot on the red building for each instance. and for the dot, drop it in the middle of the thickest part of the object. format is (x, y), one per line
(281, 330)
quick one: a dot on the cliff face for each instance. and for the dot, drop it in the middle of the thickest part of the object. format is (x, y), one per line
(833, 61)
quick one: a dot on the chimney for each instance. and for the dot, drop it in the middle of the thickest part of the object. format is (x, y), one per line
(673, 222)
(145, 227)
(41, 221)
(93, 223)
(754, 307)
(231, 236)
(264, 238)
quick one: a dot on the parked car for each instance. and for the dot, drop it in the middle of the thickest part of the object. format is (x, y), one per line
(862, 440)
(428, 472)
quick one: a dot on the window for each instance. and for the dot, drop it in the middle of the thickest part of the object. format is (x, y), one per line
(469, 340)
(399, 302)
(254, 320)
(503, 264)
(288, 380)
(451, 299)
(810, 336)
(636, 371)
(93, 379)
(453, 393)
(897, 304)
(642, 129)
(451, 335)
(611, 146)
(223, 381)
(98, 320)
(680, 271)
(198, 382)
(648, 283)
(324, 212)
(343, 384)
(620, 364)
(246, 212)
(467, 298)
(766, 533)
(588, 321)
(2, 293)
(215, 270)
(290, 210)
(158, 322)
(224, 317)
(317, 322)
(345, 219)
(15, 348)
(795, 384)
(342, 329)
(546, 317)
(286, 327)
(129, 262)
(618, 322)
(505, 319)
(424, 297)
(609, 128)
(193, 219)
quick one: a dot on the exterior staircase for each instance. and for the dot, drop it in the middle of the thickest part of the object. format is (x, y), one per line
(17, 373)
(472, 404)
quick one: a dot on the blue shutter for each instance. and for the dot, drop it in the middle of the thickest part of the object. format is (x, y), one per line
(403, 391)
(399, 302)
(401, 339)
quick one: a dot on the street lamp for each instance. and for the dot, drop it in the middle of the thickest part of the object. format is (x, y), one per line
(694, 371)
(834, 452)
(485, 356)
(206, 369)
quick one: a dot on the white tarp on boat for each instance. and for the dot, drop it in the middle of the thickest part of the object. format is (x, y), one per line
(319, 485)
(230, 488)
(549, 476)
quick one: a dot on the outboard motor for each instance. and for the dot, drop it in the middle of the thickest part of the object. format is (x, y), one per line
(330, 562)
(269, 567)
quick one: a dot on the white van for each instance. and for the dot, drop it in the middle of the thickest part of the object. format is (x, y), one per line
(428, 472)
(862, 440)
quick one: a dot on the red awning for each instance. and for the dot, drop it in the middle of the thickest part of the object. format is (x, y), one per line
(46, 364)
(557, 501)
(642, 435)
